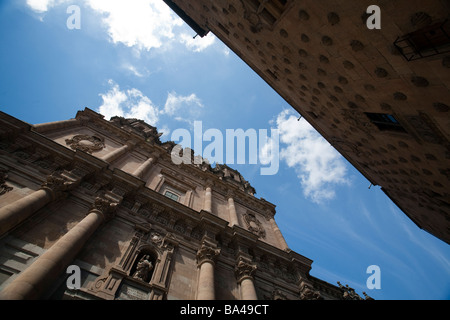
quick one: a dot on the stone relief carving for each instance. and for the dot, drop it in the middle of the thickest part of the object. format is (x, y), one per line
(257, 15)
(4, 188)
(254, 226)
(105, 206)
(86, 143)
(349, 293)
(139, 127)
(244, 269)
(277, 295)
(156, 238)
(307, 292)
(207, 253)
(57, 183)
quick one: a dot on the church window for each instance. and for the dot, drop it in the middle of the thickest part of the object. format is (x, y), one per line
(385, 122)
(172, 195)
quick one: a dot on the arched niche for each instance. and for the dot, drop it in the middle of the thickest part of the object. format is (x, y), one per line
(145, 263)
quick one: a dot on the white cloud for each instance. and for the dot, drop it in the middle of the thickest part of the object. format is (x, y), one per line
(165, 130)
(113, 102)
(132, 103)
(176, 103)
(129, 104)
(43, 5)
(318, 165)
(138, 73)
(140, 24)
(183, 108)
(144, 24)
(198, 44)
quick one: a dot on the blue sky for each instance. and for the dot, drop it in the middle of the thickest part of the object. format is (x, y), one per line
(137, 59)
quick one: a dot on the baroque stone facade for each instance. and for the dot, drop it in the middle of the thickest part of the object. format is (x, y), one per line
(106, 197)
(379, 96)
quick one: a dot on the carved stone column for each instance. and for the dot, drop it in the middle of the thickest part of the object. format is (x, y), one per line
(244, 271)
(14, 213)
(208, 199)
(206, 257)
(232, 211)
(114, 155)
(278, 235)
(32, 283)
(141, 171)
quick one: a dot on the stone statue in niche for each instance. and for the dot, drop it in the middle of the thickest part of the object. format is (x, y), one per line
(143, 269)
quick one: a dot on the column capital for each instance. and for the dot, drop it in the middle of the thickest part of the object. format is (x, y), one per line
(105, 206)
(231, 194)
(156, 154)
(244, 269)
(57, 183)
(207, 253)
(209, 183)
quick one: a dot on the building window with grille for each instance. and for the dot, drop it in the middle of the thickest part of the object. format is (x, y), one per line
(269, 10)
(172, 195)
(425, 42)
(385, 122)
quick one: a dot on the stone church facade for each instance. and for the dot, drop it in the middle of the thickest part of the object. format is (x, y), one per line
(105, 197)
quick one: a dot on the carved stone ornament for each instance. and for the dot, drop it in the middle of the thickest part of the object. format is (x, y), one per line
(207, 254)
(349, 293)
(278, 295)
(254, 226)
(3, 187)
(57, 183)
(156, 238)
(244, 269)
(105, 206)
(86, 143)
(307, 292)
(143, 269)
(255, 17)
